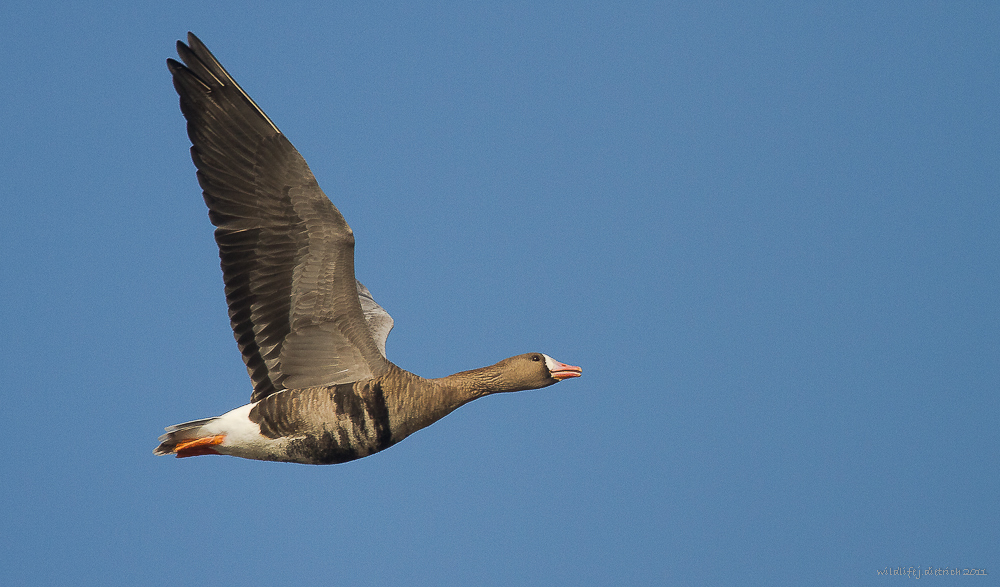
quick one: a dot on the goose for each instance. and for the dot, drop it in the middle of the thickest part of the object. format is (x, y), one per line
(312, 336)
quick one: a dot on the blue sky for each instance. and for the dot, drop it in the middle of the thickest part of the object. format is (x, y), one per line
(768, 232)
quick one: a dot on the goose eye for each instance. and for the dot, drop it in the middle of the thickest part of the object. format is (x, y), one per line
(536, 358)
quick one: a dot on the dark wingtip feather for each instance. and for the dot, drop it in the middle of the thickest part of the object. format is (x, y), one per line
(203, 65)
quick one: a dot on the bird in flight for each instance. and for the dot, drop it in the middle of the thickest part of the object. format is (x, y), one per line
(311, 335)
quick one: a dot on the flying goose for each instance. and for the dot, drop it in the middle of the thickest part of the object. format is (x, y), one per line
(311, 335)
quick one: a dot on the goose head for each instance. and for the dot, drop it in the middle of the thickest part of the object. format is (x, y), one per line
(529, 371)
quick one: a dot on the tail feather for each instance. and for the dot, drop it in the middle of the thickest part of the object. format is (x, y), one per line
(178, 434)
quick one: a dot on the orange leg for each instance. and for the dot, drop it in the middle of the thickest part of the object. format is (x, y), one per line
(198, 446)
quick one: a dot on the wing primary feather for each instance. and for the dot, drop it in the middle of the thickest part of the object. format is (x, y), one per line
(216, 68)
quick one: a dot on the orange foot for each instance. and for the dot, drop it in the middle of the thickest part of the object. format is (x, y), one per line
(198, 446)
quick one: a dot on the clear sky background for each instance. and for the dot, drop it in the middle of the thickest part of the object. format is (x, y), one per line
(767, 231)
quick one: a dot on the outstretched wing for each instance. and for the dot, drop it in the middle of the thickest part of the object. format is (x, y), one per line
(287, 253)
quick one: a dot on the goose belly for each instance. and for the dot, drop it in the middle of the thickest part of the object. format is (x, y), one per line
(320, 425)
